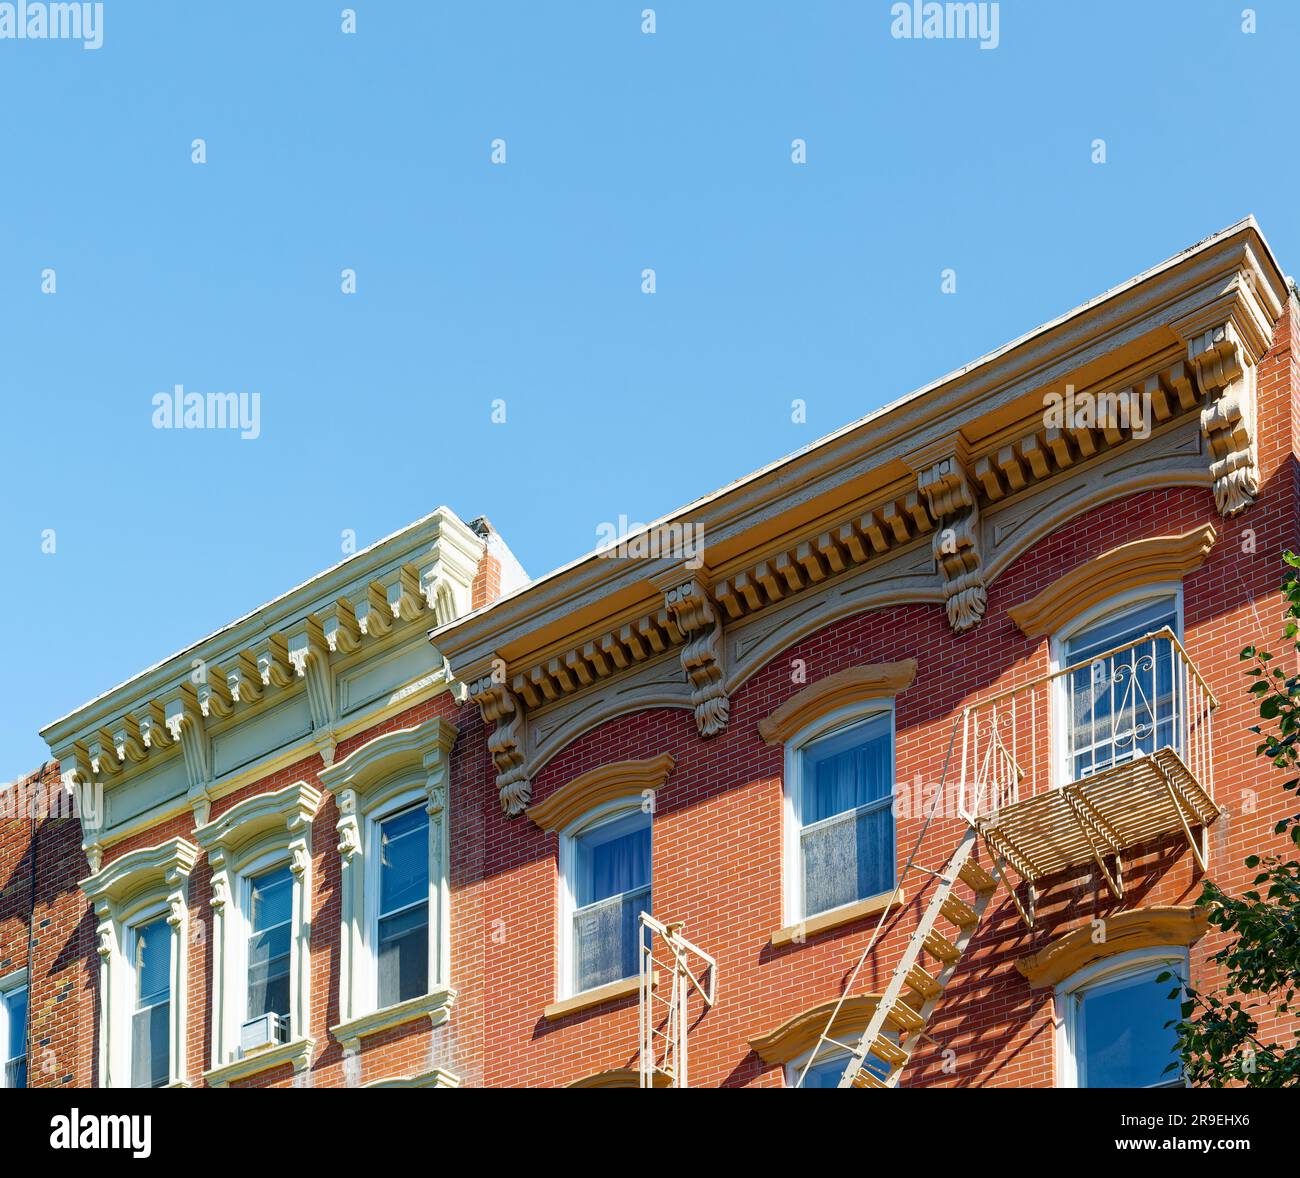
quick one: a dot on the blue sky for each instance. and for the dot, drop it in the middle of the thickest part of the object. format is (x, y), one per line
(522, 281)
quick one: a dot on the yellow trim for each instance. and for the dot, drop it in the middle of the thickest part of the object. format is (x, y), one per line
(836, 917)
(610, 992)
(1138, 928)
(606, 783)
(836, 691)
(799, 1033)
(1141, 562)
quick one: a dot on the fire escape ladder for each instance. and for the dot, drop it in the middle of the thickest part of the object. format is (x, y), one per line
(672, 970)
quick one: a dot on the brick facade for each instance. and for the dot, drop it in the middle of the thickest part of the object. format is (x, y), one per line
(717, 836)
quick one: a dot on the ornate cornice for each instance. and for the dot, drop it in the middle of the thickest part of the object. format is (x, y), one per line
(605, 783)
(1140, 562)
(418, 577)
(953, 501)
(845, 687)
(1138, 928)
(691, 607)
(798, 1035)
(500, 707)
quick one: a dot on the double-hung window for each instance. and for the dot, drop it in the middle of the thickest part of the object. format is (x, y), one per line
(1117, 1025)
(13, 1031)
(607, 877)
(1122, 699)
(843, 808)
(151, 958)
(270, 945)
(402, 926)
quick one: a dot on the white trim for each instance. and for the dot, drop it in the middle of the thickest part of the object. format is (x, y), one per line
(849, 716)
(1111, 969)
(566, 985)
(9, 984)
(1114, 606)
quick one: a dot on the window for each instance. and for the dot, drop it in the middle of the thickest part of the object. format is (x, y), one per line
(1115, 1018)
(828, 1069)
(841, 801)
(151, 956)
(605, 865)
(402, 928)
(13, 1030)
(270, 943)
(1122, 705)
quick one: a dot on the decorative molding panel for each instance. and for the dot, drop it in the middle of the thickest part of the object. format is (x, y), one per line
(836, 691)
(1138, 928)
(1140, 562)
(606, 783)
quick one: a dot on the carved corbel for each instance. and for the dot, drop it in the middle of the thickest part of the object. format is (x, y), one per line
(950, 495)
(339, 629)
(700, 621)
(405, 601)
(310, 659)
(126, 741)
(244, 680)
(500, 706)
(347, 828)
(103, 760)
(185, 723)
(374, 619)
(1226, 375)
(213, 696)
(152, 728)
(273, 663)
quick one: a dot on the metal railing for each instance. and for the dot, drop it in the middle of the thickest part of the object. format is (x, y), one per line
(1066, 726)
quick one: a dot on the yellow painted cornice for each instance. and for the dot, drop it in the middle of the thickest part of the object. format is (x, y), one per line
(798, 1034)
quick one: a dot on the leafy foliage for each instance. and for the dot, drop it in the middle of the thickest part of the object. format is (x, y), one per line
(1221, 1042)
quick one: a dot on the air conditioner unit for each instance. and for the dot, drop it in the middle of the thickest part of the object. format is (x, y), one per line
(263, 1031)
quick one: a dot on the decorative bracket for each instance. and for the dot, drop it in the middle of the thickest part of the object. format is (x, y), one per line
(500, 706)
(1227, 378)
(700, 621)
(185, 723)
(950, 495)
(309, 656)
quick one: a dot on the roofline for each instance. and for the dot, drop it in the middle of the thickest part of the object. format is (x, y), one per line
(357, 558)
(1205, 244)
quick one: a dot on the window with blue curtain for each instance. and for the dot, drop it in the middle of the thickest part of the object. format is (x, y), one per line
(611, 888)
(403, 930)
(846, 836)
(151, 1020)
(1122, 705)
(269, 943)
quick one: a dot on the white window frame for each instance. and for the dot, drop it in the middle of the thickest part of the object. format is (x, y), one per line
(1152, 959)
(258, 834)
(9, 984)
(138, 920)
(395, 800)
(598, 816)
(129, 892)
(1112, 606)
(390, 773)
(842, 718)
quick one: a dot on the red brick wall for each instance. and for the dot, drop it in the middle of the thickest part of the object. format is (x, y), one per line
(64, 971)
(717, 827)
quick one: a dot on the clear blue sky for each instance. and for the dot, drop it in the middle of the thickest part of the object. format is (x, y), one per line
(522, 281)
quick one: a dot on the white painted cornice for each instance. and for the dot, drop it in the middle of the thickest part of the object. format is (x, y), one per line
(163, 868)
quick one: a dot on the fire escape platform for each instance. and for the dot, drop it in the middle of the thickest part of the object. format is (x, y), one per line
(1101, 816)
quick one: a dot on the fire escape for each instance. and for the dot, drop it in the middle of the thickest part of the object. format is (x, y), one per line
(1075, 768)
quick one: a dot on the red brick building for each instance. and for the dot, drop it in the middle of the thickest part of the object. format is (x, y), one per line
(396, 827)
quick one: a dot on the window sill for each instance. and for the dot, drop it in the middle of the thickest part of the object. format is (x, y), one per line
(298, 1052)
(435, 1006)
(798, 933)
(610, 992)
